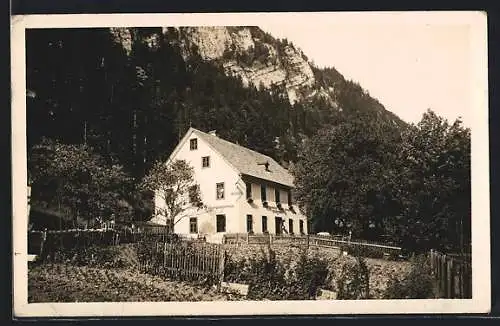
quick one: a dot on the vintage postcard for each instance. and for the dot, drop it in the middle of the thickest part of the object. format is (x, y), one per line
(250, 164)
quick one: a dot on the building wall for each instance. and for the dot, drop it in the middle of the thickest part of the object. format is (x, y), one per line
(234, 205)
(207, 178)
(257, 210)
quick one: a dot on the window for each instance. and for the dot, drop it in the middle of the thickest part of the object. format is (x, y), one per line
(193, 144)
(249, 189)
(278, 224)
(301, 226)
(277, 195)
(264, 224)
(205, 161)
(263, 196)
(193, 225)
(289, 198)
(290, 226)
(220, 190)
(221, 223)
(249, 224)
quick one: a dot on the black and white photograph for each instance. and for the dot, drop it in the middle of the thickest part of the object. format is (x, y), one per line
(272, 163)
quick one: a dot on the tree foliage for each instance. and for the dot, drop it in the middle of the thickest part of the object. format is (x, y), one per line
(368, 177)
(75, 177)
(174, 184)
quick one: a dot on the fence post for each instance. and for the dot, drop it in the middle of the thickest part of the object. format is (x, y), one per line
(222, 254)
(42, 241)
(164, 255)
(431, 255)
(449, 278)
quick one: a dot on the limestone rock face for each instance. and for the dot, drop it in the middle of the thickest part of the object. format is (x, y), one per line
(256, 60)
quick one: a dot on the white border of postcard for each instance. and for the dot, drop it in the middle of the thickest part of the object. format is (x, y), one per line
(480, 302)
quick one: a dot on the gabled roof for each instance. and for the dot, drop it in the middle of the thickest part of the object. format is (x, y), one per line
(247, 161)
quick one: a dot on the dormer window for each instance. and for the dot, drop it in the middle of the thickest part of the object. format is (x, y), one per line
(266, 166)
(193, 144)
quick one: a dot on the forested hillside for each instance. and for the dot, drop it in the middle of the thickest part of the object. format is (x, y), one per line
(134, 105)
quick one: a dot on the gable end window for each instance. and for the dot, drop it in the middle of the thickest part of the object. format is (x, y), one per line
(205, 161)
(219, 188)
(193, 144)
(221, 223)
(193, 225)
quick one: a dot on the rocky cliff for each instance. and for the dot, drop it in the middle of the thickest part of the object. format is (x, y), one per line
(252, 55)
(260, 59)
(247, 52)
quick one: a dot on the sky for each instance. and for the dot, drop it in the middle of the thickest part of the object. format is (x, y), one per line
(408, 67)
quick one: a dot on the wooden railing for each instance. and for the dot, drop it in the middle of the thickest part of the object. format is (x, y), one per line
(308, 240)
(453, 276)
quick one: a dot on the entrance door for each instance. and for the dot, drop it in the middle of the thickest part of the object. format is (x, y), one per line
(278, 222)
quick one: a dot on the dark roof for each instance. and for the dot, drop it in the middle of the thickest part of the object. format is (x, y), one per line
(247, 161)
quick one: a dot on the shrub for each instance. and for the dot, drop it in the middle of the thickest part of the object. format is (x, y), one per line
(310, 274)
(418, 284)
(353, 282)
(103, 256)
(273, 279)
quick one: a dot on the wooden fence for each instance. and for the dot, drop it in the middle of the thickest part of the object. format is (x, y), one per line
(38, 241)
(308, 240)
(453, 276)
(46, 242)
(186, 261)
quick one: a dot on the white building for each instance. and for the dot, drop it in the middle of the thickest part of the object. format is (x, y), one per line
(243, 191)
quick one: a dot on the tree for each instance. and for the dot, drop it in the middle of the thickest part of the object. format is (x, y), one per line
(75, 177)
(343, 172)
(174, 184)
(436, 196)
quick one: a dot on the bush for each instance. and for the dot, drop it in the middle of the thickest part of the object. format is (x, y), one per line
(364, 251)
(353, 282)
(102, 256)
(272, 279)
(418, 284)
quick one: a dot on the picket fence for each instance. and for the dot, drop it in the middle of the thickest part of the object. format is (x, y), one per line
(453, 276)
(185, 260)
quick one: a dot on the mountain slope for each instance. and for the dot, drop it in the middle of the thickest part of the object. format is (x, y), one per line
(132, 93)
(259, 59)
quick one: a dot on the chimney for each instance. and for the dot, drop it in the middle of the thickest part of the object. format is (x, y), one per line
(213, 132)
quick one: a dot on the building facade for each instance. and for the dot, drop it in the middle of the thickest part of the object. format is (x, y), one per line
(243, 191)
